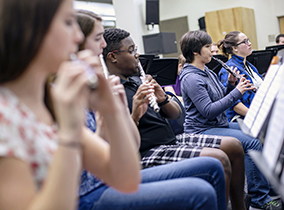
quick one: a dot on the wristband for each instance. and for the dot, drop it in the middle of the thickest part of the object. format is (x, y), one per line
(165, 101)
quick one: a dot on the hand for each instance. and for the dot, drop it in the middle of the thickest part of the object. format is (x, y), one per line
(118, 88)
(244, 85)
(91, 59)
(159, 92)
(232, 79)
(140, 101)
(70, 93)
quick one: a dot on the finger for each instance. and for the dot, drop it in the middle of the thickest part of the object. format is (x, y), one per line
(84, 54)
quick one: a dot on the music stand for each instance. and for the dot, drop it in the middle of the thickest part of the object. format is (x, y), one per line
(275, 48)
(215, 65)
(164, 70)
(146, 60)
(261, 59)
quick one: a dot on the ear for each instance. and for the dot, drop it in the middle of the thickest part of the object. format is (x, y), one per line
(234, 49)
(112, 57)
(195, 53)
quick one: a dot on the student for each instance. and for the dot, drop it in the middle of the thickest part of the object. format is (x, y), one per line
(280, 39)
(41, 151)
(214, 49)
(159, 145)
(206, 100)
(175, 186)
(238, 46)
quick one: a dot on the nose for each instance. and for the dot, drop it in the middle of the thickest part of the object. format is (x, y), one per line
(136, 55)
(79, 36)
(104, 44)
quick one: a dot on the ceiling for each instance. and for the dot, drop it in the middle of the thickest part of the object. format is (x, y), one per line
(99, 1)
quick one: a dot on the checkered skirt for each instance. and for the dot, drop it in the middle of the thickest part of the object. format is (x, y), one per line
(187, 146)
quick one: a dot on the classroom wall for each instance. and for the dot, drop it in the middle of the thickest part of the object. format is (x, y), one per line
(266, 12)
(130, 15)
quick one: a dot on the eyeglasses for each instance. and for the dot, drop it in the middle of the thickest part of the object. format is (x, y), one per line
(246, 41)
(132, 50)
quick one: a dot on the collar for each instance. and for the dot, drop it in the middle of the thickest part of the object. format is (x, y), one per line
(131, 80)
(238, 59)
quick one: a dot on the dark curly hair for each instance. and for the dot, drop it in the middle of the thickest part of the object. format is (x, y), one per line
(193, 41)
(113, 37)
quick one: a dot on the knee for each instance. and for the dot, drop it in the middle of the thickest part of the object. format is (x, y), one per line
(233, 148)
(221, 156)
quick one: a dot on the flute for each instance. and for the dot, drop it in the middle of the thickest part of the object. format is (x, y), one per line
(91, 75)
(227, 68)
(106, 73)
(153, 99)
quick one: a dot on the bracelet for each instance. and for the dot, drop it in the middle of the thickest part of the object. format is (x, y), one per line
(165, 101)
(72, 144)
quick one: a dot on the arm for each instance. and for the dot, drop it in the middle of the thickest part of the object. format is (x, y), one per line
(171, 89)
(170, 110)
(115, 162)
(118, 88)
(241, 109)
(60, 188)
(196, 90)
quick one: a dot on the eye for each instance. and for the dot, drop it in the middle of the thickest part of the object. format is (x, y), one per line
(69, 22)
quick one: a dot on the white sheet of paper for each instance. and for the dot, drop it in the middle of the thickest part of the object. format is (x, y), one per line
(263, 99)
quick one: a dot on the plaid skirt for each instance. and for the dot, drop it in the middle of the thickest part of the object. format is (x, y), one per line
(187, 146)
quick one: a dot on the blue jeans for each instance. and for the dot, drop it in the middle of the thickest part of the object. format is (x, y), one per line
(196, 183)
(258, 186)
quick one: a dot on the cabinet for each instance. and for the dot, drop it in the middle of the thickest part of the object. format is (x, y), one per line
(220, 22)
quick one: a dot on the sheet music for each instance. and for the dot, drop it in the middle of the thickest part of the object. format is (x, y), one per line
(275, 133)
(263, 99)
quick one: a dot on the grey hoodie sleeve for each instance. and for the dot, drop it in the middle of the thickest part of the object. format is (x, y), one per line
(196, 90)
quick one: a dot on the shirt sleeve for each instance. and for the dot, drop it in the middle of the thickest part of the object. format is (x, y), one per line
(197, 92)
(12, 141)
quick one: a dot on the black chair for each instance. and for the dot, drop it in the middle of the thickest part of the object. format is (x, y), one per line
(177, 124)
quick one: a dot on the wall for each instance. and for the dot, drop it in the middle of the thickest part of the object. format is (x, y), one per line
(266, 12)
(130, 16)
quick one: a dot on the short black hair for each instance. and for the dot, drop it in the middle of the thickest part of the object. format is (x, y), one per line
(193, 41)
(113, 37)
(278, 37)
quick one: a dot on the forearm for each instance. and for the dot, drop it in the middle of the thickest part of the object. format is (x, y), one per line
(60, 190)
(123, 166)
(133, 123)
(171, 110)
(241, 109)
(211, 109)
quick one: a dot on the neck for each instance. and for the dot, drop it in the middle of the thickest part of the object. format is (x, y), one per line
(115, 71)
(29, 88)
(242, 57)
(198, 65)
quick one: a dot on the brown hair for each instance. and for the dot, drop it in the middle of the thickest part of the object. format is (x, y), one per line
(181, 59)
(23, 26)
(86, 20)
(230, 40)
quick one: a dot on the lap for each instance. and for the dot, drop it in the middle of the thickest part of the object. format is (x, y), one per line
(187, 146)
(188, 193)
(248, 142)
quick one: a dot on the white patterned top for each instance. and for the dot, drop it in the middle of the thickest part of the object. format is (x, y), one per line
(24, 136)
